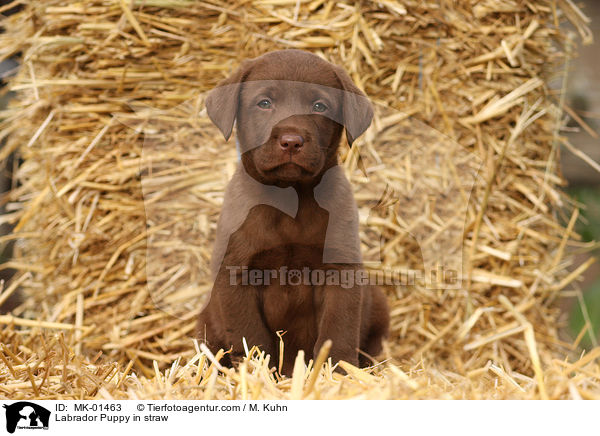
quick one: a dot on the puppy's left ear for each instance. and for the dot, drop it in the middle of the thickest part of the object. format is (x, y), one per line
(223, 101)
(357, 109)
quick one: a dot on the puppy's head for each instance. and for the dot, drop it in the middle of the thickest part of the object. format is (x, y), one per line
(290, 107)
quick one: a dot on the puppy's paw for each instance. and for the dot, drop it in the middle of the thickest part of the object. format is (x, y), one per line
(348, 357)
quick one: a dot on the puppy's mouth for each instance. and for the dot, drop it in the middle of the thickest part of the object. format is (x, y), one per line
(288, 171)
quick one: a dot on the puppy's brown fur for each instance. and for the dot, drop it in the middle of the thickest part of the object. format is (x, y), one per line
(289, 205)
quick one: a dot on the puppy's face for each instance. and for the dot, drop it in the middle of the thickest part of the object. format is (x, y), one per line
(288, 131)
(291, 108)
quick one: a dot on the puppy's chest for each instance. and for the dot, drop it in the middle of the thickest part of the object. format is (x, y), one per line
(289, 249)
(273, 228)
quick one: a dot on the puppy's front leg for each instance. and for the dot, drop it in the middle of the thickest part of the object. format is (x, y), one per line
(240, 316)
(339, 320)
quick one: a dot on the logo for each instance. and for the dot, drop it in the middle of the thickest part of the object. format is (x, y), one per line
(26, 415)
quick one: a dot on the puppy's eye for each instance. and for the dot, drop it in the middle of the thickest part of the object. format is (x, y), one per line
(264, 104)
(319, 107)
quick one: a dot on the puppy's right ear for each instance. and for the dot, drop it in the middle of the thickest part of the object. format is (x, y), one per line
(222, 102)
(357, 110)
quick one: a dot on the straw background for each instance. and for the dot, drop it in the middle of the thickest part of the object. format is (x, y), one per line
(104, 83)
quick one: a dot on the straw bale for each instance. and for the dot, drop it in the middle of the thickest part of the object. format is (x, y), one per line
(122, 177)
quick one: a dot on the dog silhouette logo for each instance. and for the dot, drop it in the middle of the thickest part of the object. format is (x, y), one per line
(26, 415)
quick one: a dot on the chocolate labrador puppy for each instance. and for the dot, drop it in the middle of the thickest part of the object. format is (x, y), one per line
(287, 252)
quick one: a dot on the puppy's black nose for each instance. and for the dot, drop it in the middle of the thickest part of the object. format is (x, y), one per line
(291, 143)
